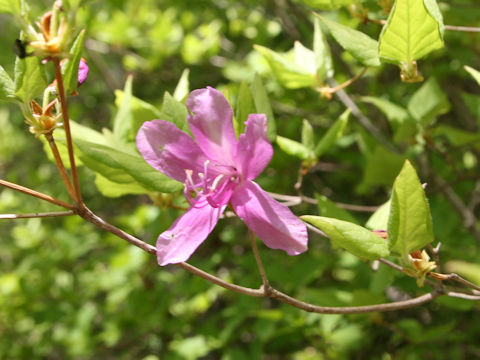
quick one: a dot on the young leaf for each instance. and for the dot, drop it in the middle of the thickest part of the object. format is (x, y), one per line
(328, 208)
(428, 102)
(174, 111)
(379, 219)
(335, 131)
(308, 137)
(475, 73)
(183, 86)
(70, 73)
(294, 148)
(409, 223)
(7, 86)
(353, 238)
(321, 50)
(10, 6)
(245, 106)
(122, 122)
(361, 46)
(286, 70)
(113, 189)
(262, 105)
(30, 78)
(413, 29)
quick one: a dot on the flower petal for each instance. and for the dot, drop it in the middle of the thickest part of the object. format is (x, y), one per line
(169, 150)
(186, 234)
(211, 124)
(254, 150)
(271, 221)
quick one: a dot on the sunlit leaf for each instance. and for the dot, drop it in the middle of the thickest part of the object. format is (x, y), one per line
(410, 222)
(30, 78)
(294, 148)
(475, 73)
(122, 122)
(70, 73)
(352, 237)
(183, 86)
(7, 86)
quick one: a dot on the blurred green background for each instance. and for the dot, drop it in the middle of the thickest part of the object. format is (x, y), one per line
(70, 291)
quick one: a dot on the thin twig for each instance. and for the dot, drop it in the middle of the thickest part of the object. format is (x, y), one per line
(332, 90)
(391, 264)
(61, 167)
(37, 215)
(36, 194)
(462, 28)
(66, 124)
(454, 277)
(261, 269)
(462, 295)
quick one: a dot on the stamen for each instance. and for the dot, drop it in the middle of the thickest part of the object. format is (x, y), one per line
(216, 181)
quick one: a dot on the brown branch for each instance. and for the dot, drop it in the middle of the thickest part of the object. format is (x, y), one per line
(36, 194)
(60, 166)
(66, 124)
(261, 269)
(37, 215)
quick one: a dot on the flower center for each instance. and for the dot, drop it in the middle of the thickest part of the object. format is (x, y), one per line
(214, 185)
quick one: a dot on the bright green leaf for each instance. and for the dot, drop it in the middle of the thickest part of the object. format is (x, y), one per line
(332, 135)
(353, 238)
(294, 148)
(469, 270)
(475, 73)
(262, 105)
(308, 137)
(409, 223)
(361, 46)
(112, 189)
(328, 4)
(183, 86)
(321, 50)
(122, 123)
(70, 72)
(10, 6)
(413, 29)
(30, 78)
(7, 86)
(245, 106)
(286, 70)
(428, 102)
(174, 111)
(379, 219)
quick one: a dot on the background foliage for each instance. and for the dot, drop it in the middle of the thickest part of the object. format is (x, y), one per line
(70, 291)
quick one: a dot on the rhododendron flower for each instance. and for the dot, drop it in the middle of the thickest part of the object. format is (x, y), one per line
(217, 170)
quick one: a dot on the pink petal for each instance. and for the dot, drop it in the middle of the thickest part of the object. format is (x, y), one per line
(82, 71)
(186, 234)
(211, 124)
(169, 150)
(254, 150)
(271, 221)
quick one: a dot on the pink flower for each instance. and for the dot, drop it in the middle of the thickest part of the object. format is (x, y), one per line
(217, 170)
(82, 71)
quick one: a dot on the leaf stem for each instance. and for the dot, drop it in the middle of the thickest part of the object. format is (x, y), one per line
(261, 269)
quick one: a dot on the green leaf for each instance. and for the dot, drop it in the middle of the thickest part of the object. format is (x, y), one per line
(321, 50)
(7, 86)
(262, 105)
(122, 123)
(428, 102)
(469, 270)
(30, 78)
(183, 86)
(353, 238)
(112, 189)
(245, 106)
(294, 148)
(413, 29)
(70, 73)
(475, 73)
(379, 219)
(456, 137)
(174, 111)
(119, 166)
(410, 222)
(308, 137)
(361, 46)
(141, 111)
(10, 6)
(328, 208)
(289, 73)
(328, 4)
(333, 134)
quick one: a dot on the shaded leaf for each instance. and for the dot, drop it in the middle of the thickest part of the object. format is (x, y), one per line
(30, 78)
(262, 105)
(332, 135)
(294, 148)
(70, 73)
(428, 102)
(245, 106)
(7, 86)
(122, 123)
